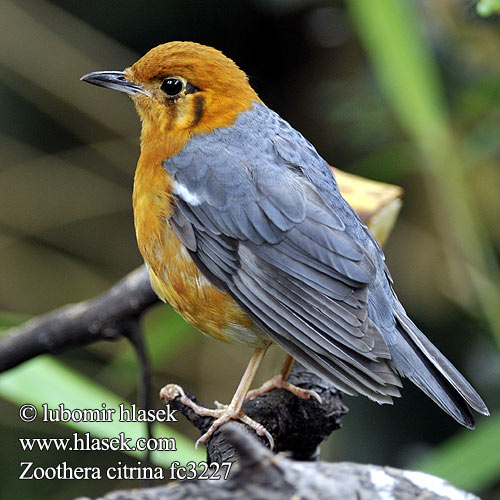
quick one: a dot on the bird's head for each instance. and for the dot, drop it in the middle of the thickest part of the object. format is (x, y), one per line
(182, 88)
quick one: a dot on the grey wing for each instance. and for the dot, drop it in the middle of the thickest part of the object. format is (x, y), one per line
(264, 234)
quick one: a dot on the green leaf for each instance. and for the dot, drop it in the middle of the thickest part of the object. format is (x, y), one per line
(404, 65)
(166, 332)
(487, 8)
(46, 380)
(9, 319)
(470, 460)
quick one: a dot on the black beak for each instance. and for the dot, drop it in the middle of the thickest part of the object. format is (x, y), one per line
(114, 80)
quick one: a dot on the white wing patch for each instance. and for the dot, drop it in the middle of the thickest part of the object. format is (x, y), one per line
(183, 192)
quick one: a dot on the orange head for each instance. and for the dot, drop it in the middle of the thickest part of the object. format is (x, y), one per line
(181, 88)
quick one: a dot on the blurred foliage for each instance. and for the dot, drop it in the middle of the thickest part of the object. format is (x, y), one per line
(470, 460)
(401, 91)
(10, 319)
(409, 76)
(45, 380)
(488, 7)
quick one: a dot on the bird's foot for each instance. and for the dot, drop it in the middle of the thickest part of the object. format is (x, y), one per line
(221, 414)
(279, 382)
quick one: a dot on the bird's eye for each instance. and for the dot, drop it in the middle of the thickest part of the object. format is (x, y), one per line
(172, 86)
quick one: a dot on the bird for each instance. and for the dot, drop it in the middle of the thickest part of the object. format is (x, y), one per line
(244, 232)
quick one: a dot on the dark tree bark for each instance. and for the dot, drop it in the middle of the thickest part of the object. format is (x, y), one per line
(298, 426)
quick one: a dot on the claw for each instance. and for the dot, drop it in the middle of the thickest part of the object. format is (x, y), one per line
(222, 414)
(259, 429)
(170, 392)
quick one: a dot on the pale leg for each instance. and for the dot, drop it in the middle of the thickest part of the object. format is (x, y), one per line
(280, 382)
(224, 413)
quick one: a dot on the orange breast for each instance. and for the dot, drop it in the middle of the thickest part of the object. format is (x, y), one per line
(174, 276)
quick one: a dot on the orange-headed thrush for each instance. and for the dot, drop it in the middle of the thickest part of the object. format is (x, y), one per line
(244, 232)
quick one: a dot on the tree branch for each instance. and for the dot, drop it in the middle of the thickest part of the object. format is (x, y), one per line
(260, 474)
(106, 317)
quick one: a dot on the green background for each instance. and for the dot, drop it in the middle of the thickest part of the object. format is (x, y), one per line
(401, 91)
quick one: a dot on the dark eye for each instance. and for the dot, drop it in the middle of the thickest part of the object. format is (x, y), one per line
(172, 86)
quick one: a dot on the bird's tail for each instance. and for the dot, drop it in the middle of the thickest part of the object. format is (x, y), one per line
(420, 361)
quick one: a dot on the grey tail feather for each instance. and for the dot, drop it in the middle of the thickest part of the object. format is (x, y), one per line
(420, 361)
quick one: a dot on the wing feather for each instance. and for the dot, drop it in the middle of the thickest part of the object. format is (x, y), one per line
(270, 228)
